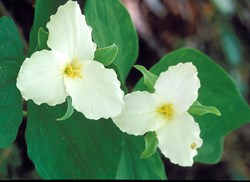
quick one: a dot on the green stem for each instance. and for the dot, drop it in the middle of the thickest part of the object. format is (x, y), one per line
(25, 113)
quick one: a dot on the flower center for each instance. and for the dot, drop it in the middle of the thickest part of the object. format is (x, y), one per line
(73, 70)
(166, 110)
(193, 146)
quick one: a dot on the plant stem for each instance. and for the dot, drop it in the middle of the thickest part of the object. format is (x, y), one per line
(25, 113)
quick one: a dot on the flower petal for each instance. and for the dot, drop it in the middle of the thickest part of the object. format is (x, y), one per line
(69, 32)
(140, 113)
(179, 85)
(97, 94)
(179, 139)
(41, 78)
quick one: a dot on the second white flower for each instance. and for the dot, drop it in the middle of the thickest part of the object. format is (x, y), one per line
(165, 113)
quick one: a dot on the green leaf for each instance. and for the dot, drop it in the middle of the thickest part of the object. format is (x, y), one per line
(151, 144)
(217, 89)
(133, 167)
(106, 55)
(149, 78)
(198, 109)
(111, 23)
(76, 148)
(69, 112)
(11, 57)
(42, 39)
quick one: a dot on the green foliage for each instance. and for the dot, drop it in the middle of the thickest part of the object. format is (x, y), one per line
(77, 147)
(151, 144)
(106, 55)
(217, 89)
(198, 109)
(132, 166)
(111, 23)
(74, 148)
(11, 57)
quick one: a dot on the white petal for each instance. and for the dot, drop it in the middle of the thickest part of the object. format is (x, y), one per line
(179, 85)
(41, 78)
(97, 94)
(69, 32)
(140, 113)
(178, 139)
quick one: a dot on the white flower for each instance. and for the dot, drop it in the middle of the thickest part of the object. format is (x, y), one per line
(165, 112)
(68, 69)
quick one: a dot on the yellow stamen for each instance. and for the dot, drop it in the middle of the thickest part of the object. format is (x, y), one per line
(193, 146)
(167, 110)
(73, 70)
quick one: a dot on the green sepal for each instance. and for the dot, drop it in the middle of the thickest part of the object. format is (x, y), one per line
(42, 39)
(151, 144)
(69, 112)
(106, 55)
(198, 109)
(148, 77)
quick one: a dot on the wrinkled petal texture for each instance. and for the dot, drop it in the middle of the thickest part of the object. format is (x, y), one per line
(97, 94)
(179, 85)
(177, 137)
(140, 113)
(70, 34)
(41, 78)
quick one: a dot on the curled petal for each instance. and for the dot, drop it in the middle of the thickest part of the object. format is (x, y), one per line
(140, 113)
(179, 139)
(96, 91)
(69, 32)
(179, 85)
(41, 78)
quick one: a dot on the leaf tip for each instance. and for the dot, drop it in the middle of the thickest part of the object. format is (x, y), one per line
(217, 112)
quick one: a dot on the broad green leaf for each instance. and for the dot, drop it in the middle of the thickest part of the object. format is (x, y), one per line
(75, 148)
(106, 55)
(42, 39)
(11, 57)
(217, 89)
(137, 168)
(69, 112)
(111, 23)
(198, 109)
(148, 77)
(151, 144)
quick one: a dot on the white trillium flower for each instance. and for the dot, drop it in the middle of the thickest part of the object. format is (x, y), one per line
(165, 113)
(68, 69)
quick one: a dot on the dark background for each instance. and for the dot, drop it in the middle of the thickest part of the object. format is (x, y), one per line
(219, 28)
